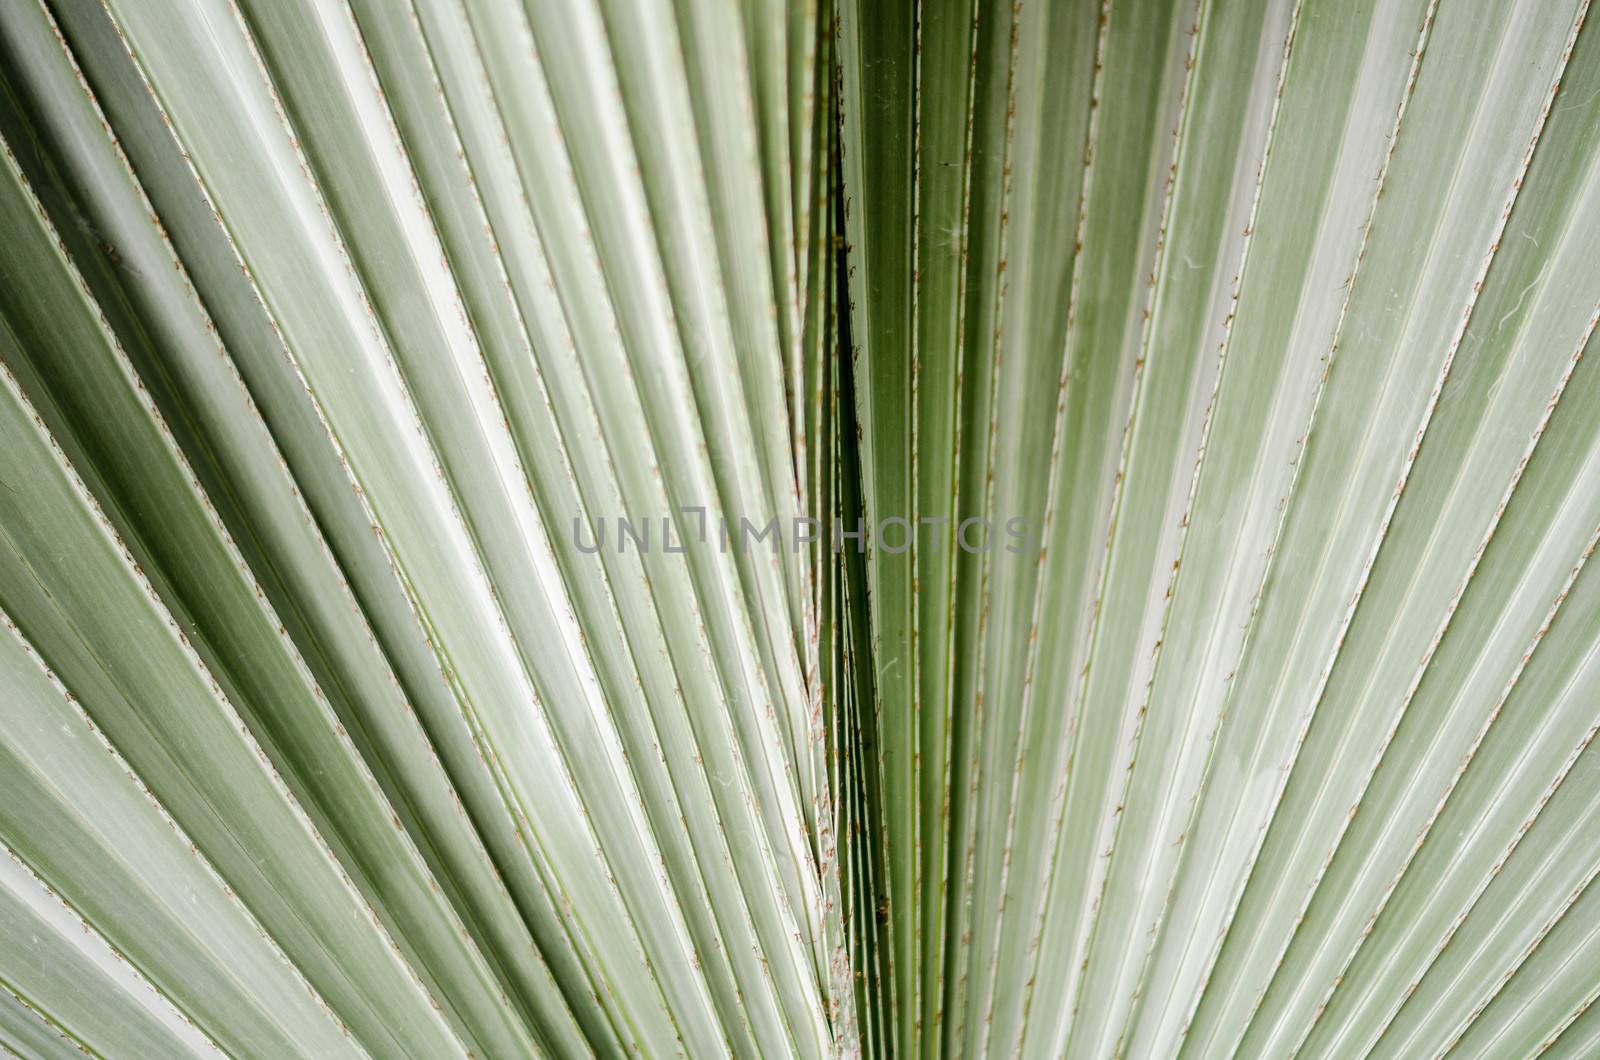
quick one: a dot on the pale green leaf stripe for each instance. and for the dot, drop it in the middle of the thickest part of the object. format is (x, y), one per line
(49, 316)
(82, 818)
(1128, 163)
(1534, 730)
(1511, 931)
(1580, 1038)
(718, 327)
(461, 419)
(991, 146)
(1434, 250)
(713, 338)
(244, 645)
(1224, 135)
(431, 394)
(558, 383)
(645, 485)
(554, 480)
(1559, 985)
(1289, 281)
(743, 118)
(1533, 305)
(758, 666)
(363, 226)
(326, 484)
(1302, 295)
(464, 227)
(277, 535)
(336, 308)
(1057, 47)
(93, 995)
(1524, 759)
(27, 1033)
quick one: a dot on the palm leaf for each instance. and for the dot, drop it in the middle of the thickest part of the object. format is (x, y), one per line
(571, 527)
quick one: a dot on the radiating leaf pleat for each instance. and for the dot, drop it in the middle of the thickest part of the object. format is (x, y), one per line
(94, 999)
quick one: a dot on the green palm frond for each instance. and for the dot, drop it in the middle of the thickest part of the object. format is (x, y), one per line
(799, 528)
